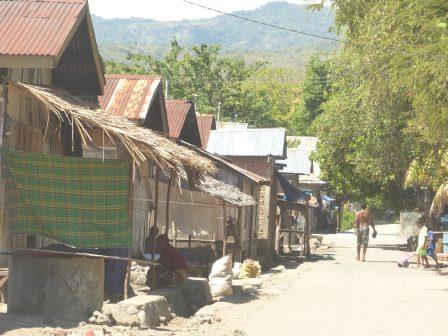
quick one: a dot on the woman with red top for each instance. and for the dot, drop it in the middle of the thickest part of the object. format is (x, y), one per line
(362, 222)
(172, 268)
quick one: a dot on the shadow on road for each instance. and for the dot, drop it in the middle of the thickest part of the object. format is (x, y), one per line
(11, 322)
(390, 247)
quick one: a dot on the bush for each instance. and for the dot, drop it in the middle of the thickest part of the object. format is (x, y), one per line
(348, 219)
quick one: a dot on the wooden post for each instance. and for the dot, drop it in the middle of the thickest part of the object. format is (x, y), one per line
(224, 237)
(167, 209)
(156, 210)
(128, 276)
(156, 196)
(131, 212)
(189, 242)
(174, 234)
(307, 229)
(239, 239)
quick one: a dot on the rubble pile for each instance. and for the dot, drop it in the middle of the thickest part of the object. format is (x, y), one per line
(138, 276)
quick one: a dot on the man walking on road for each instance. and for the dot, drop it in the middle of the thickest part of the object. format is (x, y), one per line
(362, 222)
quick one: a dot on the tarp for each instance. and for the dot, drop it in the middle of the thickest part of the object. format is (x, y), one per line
(292, 193)
(81, 202)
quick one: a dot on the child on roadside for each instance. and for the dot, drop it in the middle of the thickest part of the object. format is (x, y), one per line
(420, 252)
(431, 248)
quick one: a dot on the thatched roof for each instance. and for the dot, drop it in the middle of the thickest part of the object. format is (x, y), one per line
(440, 200)
(226, 193)
(141, 143)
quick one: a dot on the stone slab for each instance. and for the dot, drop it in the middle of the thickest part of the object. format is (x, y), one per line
(141, 311)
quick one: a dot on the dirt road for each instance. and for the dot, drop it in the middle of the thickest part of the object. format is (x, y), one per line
(336, 295)
(341, 296)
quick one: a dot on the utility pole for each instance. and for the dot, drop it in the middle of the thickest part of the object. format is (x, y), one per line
(218, 113)
(167, 86)
(194, 102)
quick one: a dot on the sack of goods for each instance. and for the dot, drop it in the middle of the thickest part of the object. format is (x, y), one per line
(220, 278)
(250, 269)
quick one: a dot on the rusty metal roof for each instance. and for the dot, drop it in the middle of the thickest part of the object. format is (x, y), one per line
(177, 111)
(37, 27)
(206, 123)
(129, 95)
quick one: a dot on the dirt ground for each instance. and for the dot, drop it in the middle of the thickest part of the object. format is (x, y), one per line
(335, 295)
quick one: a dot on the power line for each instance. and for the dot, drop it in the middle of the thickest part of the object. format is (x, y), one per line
(265, 23)
(291, 30)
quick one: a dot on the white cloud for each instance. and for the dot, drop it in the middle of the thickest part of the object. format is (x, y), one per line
(170, 9)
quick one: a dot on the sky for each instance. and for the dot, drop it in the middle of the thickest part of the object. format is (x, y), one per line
(168, 10)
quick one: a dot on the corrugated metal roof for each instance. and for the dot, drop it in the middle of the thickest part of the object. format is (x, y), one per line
(37, 27)
(206, 123)
(177, 111)
(298, 158)
(248, 142)
(297, 162)
(129, 95)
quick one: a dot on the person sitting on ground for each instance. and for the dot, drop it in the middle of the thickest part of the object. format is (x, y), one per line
(420, 252)
(362, 222)
(173, 267)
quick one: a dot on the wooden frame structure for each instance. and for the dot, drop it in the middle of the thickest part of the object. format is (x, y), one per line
(284, 227)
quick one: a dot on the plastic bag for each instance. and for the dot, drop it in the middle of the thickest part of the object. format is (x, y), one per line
(221, 267)
(221, 286)
(250, 269)
(220, 278)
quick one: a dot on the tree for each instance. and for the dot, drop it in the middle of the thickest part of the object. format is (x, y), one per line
(255, 93)
(388, 105)
(314, 91)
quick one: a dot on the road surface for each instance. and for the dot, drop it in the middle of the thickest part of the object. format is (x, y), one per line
(342, 296)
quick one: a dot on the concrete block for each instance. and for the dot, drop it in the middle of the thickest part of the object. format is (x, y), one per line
(175, 300)
(196, 293)
(70, 288)
(141, 311)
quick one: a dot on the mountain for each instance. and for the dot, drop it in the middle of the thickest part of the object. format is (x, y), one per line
(237, 37)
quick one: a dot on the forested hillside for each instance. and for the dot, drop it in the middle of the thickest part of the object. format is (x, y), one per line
(243, 39)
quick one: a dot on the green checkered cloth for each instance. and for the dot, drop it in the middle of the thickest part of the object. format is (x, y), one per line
(81, 202)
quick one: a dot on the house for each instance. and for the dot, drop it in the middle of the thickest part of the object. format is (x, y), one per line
(206, 124)
(302, 172)
(248, 217)
(182, 121)
(257, 151)
(58, 113)
(138, 98)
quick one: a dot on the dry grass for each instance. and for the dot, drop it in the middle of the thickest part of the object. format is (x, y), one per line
(440, 199)
(226, 193)
(141, 143)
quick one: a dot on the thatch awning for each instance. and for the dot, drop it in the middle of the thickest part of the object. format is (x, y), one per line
(226, 193)
(141, 143)
(440, 200)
